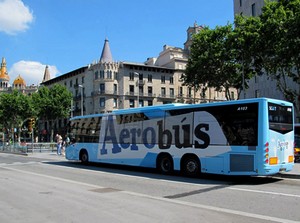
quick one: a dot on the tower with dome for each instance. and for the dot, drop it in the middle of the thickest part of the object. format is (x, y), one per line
(18, 84)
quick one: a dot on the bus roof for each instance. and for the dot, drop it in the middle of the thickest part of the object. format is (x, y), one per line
(154, 111)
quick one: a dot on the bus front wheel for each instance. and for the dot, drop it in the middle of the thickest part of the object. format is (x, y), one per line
(191, 166)
(84, 157)
(165, 164)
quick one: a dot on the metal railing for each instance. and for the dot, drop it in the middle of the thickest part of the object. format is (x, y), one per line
(24, 148)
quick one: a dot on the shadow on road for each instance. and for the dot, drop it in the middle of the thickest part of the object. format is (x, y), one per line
(176, 176)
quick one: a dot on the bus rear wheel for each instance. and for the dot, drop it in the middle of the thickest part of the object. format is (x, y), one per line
(84, 157)
(191, 166)
(164, 164)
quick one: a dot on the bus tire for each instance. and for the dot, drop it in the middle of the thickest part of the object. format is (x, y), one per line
(190, 166)
(164, 163)
(84, 157)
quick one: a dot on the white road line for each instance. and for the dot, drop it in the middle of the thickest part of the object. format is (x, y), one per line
(263, 192)
(207, 207)
(18, 163)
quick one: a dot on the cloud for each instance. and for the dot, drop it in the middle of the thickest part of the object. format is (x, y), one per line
(31, 71)
(14, 16)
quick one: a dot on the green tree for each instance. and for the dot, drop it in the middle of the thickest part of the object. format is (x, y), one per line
(215, 60)
(244, 44)
(280, 38)
(15, 108)
(52, 104)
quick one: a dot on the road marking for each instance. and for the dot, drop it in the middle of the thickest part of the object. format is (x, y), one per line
(264, 192)
(206, 207)
(18, 163)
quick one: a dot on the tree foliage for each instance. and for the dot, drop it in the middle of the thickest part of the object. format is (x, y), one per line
(15, 108)
(53, 103)
(219, 58)
(47, 104)
(225, 57)
(280, 41)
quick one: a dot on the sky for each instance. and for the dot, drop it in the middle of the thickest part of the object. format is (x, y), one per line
(69, 34)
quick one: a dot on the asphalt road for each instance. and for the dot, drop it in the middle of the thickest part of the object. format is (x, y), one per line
(47, 188)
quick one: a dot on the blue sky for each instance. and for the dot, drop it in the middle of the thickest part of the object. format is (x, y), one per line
(69, 34)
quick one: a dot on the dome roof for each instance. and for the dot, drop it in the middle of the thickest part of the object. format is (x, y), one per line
(19, 81)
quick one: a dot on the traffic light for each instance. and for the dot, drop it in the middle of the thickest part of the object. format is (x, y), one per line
(33, 122)
(30, 125)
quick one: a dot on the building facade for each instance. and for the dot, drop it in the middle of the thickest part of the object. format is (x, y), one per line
(106, 85)
(263, 86)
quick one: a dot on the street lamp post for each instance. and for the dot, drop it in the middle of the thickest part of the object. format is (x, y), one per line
(81, 92)
(138, 87)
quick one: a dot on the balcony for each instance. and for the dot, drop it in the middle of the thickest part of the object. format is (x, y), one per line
(104, 92)
(166, 96)
(141, 94)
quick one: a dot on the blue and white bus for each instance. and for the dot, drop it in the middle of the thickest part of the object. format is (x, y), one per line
(243, 137)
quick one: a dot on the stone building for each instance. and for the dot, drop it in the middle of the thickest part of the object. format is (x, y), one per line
(106, 85)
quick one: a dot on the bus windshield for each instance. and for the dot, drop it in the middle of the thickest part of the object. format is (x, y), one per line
(280, 118)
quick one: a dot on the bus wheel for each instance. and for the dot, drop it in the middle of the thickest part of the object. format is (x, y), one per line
(84, 157)
(190, 166)
(164, 164)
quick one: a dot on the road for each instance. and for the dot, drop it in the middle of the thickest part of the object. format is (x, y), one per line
(40, 188)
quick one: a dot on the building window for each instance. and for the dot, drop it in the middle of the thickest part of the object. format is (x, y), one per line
(253, 9)
(131, 103)
(171, 80)
(96, 75)
(189, 92)
(241, 3)
(150, 90)
(131, 76)
(257, 93)
(102, 102)
(71, 83)
(131, 89)
(109, 74)
(141, 90)
(163, 79)
(150, 102)
(232, 95)
(141, 103)
(101, 74)
(102, 88)
(163, 92)
(141, 76)
(150, 78)
(115, 102)
(115, 89)
(180, 91)
(171, 92)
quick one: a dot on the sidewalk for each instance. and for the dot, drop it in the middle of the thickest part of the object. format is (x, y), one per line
(47, 155)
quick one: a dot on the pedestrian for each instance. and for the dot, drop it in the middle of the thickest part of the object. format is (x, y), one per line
(67, 140)
(63, 148)
(58, 143)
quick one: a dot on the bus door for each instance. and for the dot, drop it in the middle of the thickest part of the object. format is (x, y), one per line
(281, 133)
